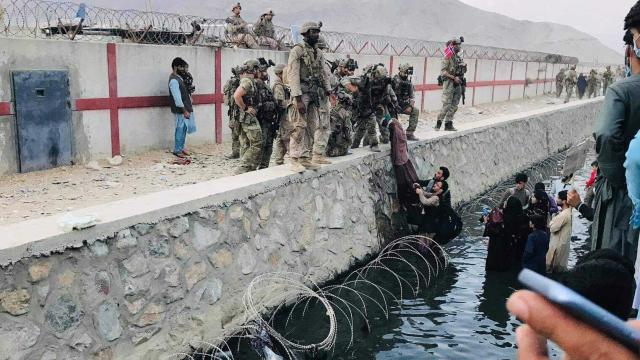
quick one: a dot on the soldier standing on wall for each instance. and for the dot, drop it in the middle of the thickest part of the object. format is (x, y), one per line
(281, 93)
(247, 99)
(310, 88)
(570, 82)
(452, 73)
(366, 117)
(607, 79)
(384, 101)
(229, 89)
(559, 82)
(404, 89)
(267, 113)
(341, 114)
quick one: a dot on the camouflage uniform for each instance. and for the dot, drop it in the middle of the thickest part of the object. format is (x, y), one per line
(249, 128)
(451, 92)
(307, 80)
(281, 94)
(382, 97)
(559, 82)
(592, 83)
(607, 79)
(268, 119)
(238, 32)
(229, 89)
(406, 99)
(366, 117)
(265, 31)
(570, 83)
(341, 136)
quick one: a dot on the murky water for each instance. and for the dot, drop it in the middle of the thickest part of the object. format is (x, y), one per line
(461, 315)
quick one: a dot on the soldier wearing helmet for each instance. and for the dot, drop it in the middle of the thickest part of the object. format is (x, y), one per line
(404, 90)
(237, 29)
(310, 88)
(265, 31)
(247, 99)
(452, 72)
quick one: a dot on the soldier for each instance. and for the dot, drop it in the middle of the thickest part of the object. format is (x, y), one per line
(238, 30)
(265, 31)
(341, 114)
(384, 101)
(247, 100)
(365, 112)
(281, 93)
(404, 89)
(570, 83)
(310, 89)
(229, 89)
(267, 115)
(592, 83)
(559, 82)
(452, 71)
(607, 79)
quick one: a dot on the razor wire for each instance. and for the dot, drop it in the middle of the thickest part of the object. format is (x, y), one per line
(63, 20)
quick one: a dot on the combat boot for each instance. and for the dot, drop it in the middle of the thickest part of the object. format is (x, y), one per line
(307, 164)
(375, 148)
(412, 137)
(320, 159)
(438, 125)
(449, 127)
(232, 157)
(296, 167)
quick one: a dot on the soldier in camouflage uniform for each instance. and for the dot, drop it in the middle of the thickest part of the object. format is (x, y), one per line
(559, 82)
(267, 116)
(570, 82)
(404, 90)
(365, 119)
(310, 88)
(592, 83)
(229, 89)
(265, 31)
(452, 72)
(341, 114)
(238, 30)
(384, 101)
(607, 79)
(281, 93)
(247, 99)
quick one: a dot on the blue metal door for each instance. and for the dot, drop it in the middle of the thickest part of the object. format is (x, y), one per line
(43, 119)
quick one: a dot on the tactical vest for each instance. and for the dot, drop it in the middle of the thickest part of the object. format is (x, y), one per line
(229, 89)
(311, 69)
(402, 88)
(267, 108)
(379, 93)
(251, 96)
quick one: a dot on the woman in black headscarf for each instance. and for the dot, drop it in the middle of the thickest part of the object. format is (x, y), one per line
(516, 230)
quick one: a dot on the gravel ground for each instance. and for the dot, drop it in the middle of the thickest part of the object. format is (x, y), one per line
(55, 191)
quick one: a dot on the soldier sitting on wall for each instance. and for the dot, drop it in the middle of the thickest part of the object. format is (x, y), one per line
(238, 30)
(265, 31)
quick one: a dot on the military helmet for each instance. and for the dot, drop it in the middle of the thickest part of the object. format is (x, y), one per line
(573, 67)
(342, 62)
(269, 12)
(404, 67)
(310, 25)
(279, 68)
(380, 71)
(454, 41)
(236, 6)
(252, 64)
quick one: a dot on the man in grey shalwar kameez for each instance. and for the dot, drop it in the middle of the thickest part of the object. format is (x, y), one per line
(618, 122)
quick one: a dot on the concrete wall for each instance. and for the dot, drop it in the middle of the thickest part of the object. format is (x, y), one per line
(166, 270)
(142, 72)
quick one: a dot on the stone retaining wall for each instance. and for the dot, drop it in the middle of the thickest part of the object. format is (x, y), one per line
(152, 288)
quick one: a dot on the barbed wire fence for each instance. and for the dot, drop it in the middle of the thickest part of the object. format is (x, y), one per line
(62, 20)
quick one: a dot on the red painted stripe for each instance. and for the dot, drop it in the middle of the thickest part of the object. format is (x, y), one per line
(391, 64)
(142, 102)
(5, 108)
(495, 71)
(112, 67)
(510, 79)
(526, 70)
(218, 91)
(93, 104)
(475, 77)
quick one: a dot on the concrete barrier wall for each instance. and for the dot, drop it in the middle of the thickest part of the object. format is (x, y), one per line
(126, 113)
(164, 271)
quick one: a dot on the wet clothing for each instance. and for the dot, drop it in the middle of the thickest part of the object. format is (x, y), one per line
(405, 173)
(535, 252)
(618, 123)
(522, 195)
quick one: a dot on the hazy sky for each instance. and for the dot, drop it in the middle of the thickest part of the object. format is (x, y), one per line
(600, 18)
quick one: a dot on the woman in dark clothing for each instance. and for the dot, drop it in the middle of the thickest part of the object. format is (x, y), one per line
(516, 229)
(535, 251)
(499, 248)
(539, 204)
(582, 85)
(406, 174)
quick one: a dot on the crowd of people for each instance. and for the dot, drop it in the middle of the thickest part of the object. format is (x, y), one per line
(594, 85)
(606, 275)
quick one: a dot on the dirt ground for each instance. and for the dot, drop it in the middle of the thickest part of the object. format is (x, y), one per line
(55, 191)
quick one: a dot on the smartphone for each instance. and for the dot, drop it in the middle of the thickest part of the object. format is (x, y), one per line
(582, 308)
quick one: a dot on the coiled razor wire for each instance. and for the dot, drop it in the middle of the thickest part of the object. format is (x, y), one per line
(273, 293)
(43, 19)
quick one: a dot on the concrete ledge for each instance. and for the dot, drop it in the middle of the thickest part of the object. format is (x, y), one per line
(44, 235)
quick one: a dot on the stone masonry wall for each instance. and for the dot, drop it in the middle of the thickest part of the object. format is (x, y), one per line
(153, 289)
